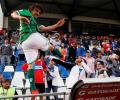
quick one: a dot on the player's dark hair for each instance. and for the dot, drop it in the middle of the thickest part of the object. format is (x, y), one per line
(36, 5)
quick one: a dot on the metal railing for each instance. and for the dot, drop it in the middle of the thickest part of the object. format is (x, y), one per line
(35, 95)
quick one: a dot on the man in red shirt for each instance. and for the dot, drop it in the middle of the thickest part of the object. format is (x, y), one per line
(39, 75)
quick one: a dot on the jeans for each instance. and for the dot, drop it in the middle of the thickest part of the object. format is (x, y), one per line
(54, 89)
(5, 60)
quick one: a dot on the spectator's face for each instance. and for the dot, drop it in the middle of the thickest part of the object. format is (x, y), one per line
(6, 84)
(99, 55)
(88, 54)
(62, 45)
(99, 66)
(73, 45)
(65, 35)
(6, 41)
(78, 45)
(52, 63)
(78, 60)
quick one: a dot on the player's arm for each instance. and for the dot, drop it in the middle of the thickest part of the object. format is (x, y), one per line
(15, 15)
(52, 27)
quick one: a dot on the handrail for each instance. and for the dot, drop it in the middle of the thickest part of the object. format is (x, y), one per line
(31, 95)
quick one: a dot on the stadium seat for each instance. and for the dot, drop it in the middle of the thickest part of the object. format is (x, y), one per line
(19, 64)
(17, 80)
(9, 69)
(8, 75)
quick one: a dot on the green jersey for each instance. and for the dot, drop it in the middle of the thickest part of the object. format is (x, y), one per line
(27, 29)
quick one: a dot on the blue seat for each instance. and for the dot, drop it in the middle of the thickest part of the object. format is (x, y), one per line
(19, 64)
(8, 75)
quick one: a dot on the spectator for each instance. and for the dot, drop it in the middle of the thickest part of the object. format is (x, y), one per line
(100, 56)
(71, 39)
(114, 61)
(56, 41)
(95, 51)
(86, 43)
(6, 90)
(72, 53)
(14, 48)
(106, 46)
(53, 79)
(6, 53)
(101, 70)
(39, 74)
(78, 72)
(80, 51)
(90, 62)
(63, 51)
(65, 40)
(94, 41)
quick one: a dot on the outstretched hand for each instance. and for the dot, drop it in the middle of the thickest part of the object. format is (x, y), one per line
(61, 22)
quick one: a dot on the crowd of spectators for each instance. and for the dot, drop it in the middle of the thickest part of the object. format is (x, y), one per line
(97, 56)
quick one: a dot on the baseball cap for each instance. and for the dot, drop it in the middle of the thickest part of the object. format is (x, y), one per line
(56, 34)
(88, 51)
(100, 63)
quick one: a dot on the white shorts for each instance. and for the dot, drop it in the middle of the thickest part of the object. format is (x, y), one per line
(31, 46)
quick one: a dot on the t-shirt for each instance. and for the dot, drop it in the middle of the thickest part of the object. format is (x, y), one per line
(27, 29)
(39, 76)
(39, 67)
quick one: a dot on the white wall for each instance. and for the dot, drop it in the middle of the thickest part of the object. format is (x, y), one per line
(1, 17)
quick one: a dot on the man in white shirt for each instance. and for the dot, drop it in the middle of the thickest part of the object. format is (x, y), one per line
(78, 72)
(53, 79)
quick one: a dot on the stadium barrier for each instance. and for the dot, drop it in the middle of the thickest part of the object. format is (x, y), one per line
(35, 95)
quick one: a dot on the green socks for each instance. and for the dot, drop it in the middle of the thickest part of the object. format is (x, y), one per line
(30, 74)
